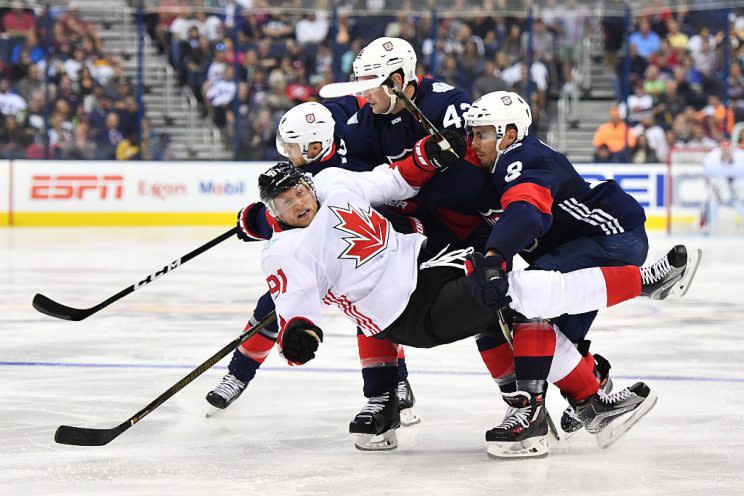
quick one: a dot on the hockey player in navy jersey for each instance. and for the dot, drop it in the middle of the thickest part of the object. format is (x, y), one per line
(544, 211)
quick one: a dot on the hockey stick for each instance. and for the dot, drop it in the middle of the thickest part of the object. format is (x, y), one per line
(83, 436)
(55, 309)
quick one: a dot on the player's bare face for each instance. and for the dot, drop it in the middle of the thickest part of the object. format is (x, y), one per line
(485, 143)
(297, 206)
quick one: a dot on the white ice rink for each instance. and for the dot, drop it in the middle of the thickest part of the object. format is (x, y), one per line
(288, 433)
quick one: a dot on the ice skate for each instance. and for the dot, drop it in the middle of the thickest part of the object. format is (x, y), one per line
(374, 426)
(570, 422)
(610, 416)
(671, 274)
(524, 430)
(407, 400)
(227, 391)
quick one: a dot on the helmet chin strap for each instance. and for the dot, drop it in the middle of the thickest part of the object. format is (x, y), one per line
(393, 99)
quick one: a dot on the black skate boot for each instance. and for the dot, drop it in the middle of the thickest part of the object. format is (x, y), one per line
(227, 391)
(523, 432)
(570, 422)
(375, 425)
(672, 273)
(609, 416)
(407, 400)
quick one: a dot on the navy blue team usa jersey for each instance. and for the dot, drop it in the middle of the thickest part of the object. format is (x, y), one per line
(546, 203)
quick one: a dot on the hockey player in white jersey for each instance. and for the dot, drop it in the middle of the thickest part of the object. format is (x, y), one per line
(334, 248)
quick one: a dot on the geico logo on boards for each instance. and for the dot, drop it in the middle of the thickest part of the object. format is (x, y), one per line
(221, 188)
(67, 187)
(160, 190)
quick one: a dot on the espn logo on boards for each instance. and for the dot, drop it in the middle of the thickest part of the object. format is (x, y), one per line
(62, 187)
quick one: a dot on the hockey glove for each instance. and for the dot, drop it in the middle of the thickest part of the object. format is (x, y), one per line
(299, 341)
(251, 220)
(428, 155)
(487, 279)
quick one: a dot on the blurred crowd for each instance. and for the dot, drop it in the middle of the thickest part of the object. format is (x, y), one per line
(88, 104)
(677, 84)
(253, 66)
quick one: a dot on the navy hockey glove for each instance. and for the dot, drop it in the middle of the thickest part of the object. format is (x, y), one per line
(429, 156)
(299, 341)
(249, 223)
(487, 280)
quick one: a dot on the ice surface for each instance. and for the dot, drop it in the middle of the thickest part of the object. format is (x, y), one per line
(288, 433)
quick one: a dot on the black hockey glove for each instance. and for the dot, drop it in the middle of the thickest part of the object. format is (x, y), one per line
(249, 227)
(299, 341)
(429, 156)
(487, 280)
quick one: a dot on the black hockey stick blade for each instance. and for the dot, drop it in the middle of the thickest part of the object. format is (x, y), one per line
(83, 436)
(55, 309)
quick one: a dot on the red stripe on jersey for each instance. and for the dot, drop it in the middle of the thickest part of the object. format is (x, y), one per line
(401, 353)
(351, 311)
(536, 195)
(499, 361)
(361, 101)
(461, 224)
(413, 175)
(623, 283)
(257, 347)
(329, 153)
(580, 383)
(534, 339)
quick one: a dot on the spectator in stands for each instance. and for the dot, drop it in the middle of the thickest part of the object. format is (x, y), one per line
(639, 105)
(311, 29)
(220, 95)
(676, 38)
(653, 85)
(13, 138)
(107, 141)
(704, 59)
(666, 59)
(489, 81)
(18, 22)
(10, 103)
(695, 43)
(654, 138)
(646, 41)
(512, 45)
(197, 64)
(643, 153)
(699, 138)
(616, 136)
(127, 149)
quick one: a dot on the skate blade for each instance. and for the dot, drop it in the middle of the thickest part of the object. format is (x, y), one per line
(536, 447)
(693, 261)
(617, 429)
(386, 441)
(212, 411)
(408, 417)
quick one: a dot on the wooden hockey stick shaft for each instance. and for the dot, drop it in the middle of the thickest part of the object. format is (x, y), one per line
(82, 436)
(55, 309)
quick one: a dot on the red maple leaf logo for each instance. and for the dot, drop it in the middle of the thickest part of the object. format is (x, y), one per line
(369, 233)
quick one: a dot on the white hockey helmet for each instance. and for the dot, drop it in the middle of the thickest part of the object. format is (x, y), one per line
(384, 56)
(304, 124)
(499, 109)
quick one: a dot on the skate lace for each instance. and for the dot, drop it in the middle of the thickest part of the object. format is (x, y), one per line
(229, 387)
(448, 259)
(655, 272)
(615, 397)
(515, 416)
(402, 390)
(375, 404)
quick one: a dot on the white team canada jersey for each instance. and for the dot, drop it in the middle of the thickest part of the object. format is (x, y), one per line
(349, 256)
